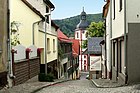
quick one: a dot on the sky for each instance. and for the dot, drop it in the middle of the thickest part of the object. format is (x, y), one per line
(69, 8)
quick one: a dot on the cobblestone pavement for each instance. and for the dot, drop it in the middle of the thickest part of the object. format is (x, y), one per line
(30, 86)
(85, 86)
(72, 86)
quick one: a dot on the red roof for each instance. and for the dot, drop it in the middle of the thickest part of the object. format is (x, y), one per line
(75, 47)
(62, 37)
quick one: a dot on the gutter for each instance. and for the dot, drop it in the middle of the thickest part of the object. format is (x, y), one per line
(110, 45)
(10, 63)
(9, 41)
(125, 46)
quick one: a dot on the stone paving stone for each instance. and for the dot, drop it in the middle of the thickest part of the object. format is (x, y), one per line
(30, 86)
(73, 86)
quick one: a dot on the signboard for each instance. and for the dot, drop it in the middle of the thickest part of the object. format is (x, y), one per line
(95, 63)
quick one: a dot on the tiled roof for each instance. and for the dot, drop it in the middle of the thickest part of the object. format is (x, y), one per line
(62, 37)
(75, 47)
(94, 45)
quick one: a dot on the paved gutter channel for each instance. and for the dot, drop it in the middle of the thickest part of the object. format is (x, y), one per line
(49, 85)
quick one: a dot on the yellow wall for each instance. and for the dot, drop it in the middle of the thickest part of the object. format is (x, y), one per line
(26, 17)
(52, 55)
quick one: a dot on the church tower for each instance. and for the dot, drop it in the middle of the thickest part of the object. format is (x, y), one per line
(80, 34)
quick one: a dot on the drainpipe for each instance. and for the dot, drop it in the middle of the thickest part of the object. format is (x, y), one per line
(105, 52)
(46, 14)
(33, 30)
(9, 42)
(110, 43)
(81, 48)
(125, 42)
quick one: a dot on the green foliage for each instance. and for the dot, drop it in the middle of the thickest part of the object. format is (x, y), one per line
(45, 78)
(50, 77)
(15, 33)
(96, 29)
(42, 77)
(84, 44)
(60, 51)
(68, 25)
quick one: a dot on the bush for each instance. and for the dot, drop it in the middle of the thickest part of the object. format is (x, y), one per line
(45, 78)
(50, 78)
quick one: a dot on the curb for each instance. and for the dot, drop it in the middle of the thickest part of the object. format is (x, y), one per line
(99, 86)
(36, 90)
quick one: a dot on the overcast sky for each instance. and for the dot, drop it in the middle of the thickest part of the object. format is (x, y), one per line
(68, 8)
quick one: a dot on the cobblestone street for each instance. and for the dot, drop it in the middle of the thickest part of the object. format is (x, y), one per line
(85, 86)
(70, 86)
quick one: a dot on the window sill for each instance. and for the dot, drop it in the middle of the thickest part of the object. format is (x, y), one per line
(54, 51)
(48, 52)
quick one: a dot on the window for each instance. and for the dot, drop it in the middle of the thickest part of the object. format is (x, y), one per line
(120, 5)
(120, 55)
(122, 58)
(47, 9)
(113, 54)
(84, 56)
(83, 17)
(84, 61)
(47, 17)
(53, 45)
(116, 54)
(48, 45)
(77, 35)
(114, 10)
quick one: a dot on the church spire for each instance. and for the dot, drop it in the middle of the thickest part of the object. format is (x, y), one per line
(83, 15)
(83, 9)
(83, 22)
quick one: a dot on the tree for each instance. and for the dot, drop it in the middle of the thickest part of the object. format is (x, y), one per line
(94, 30)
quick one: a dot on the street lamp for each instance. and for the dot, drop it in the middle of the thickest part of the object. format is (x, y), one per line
(46, 14)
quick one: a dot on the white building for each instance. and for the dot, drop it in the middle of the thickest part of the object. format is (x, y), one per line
(122, 37)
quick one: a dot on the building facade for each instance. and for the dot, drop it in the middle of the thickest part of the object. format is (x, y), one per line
(123, 29)
(64, 55)
(3, 42)
(50, 29)
(75, 58)
(94, 52)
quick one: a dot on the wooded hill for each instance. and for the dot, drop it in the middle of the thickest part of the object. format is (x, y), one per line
(68, 25)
